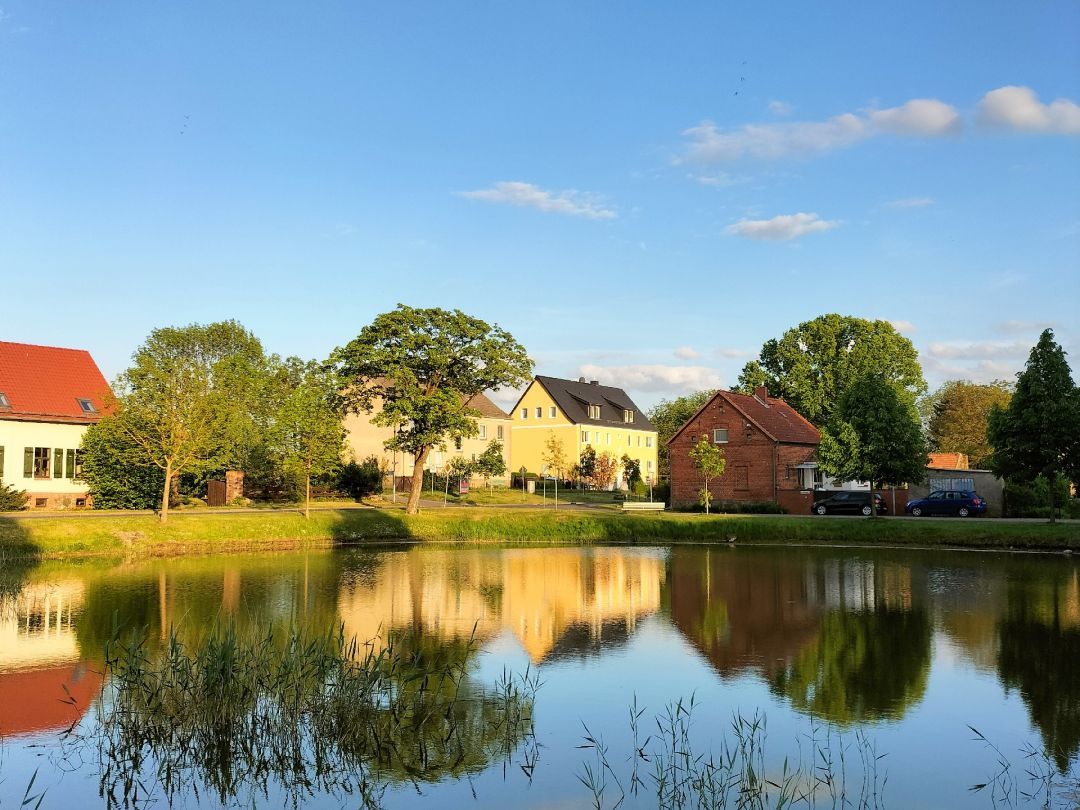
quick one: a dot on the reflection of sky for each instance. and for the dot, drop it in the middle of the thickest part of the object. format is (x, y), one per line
(931, 757)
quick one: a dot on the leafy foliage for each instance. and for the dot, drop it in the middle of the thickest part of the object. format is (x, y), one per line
(586, 466)
(491, 463)
(875, 437)
(631, 471)
(554, 455)
(11, 499)
(709, 459)
(604, 471)
(813, 365)
(423, 365)
(668, 416)
(116, 469)
(957, 415)
(1039, 432)
(361, 480)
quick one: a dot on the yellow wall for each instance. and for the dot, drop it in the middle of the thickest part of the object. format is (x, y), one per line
(16, 436)
(532, 432)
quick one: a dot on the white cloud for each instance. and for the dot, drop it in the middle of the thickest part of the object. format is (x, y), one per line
(686, 353)
(983, 371)
(1018, 108)
(910, 202)
(924, 117)
(904, 327)
(569, 202)
(733, 354)
(968, 350)
(708, 143)
(655, 377)
(781, 228)
(781, 108)
(1015, 326)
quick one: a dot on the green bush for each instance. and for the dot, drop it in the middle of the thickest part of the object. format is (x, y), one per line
(115, 481)
(361, 480)
(1032, 499)
(11, 499)
(662, 492)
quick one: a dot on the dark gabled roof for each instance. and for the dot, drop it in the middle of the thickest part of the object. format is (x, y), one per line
(575, 396)
(775, 418)
(487, 408)
(45, 384)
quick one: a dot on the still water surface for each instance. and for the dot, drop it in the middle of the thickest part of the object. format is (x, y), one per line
(909, 647)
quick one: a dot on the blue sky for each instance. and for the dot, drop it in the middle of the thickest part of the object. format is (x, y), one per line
(639, 192)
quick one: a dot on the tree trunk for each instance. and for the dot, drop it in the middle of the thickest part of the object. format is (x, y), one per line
(873, 500)
(307, 497)
(163, 515)
(413, 506)
(1053, 478)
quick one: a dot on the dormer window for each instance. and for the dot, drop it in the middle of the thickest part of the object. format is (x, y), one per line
(594, 411)
(627, 415)
(86, 405)
(4, 401)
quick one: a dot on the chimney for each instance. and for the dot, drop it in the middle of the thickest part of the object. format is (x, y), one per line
(761, 392)
(581, 379)
(594, 382)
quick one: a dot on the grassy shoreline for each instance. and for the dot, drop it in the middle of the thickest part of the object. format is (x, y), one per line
(63, 537)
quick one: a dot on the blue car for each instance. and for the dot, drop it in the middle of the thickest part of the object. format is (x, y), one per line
(960, 503)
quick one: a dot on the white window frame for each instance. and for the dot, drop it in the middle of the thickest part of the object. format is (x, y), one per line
(628, 416)
(552, 412)
(482, 432)
(594, 411)
(648, 441)
(584, 437)
(539, 411)
(716, 433)
(499, 432)
(524, 413)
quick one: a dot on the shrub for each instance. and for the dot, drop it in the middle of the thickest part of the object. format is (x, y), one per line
(11, 499)
(361, 480)
(1032, 499)
(113, 477)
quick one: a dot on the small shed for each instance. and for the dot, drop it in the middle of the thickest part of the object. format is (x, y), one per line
(950, 479)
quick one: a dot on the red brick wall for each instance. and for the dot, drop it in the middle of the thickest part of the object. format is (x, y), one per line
(753, 459)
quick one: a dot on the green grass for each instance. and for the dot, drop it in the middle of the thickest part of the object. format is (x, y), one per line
(194, 533)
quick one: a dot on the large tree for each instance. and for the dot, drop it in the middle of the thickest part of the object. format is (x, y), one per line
(190, 399)
(667, 416)
(814, 364)
(876, 436)
(423, 365)
(307, 432)
(956, 417)
(1039, 432)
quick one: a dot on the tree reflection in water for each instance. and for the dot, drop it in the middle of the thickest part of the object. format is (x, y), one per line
(241, 715)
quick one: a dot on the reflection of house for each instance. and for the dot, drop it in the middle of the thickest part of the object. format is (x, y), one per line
(769, 448)
(48, 396)
(364, 439)
(581, 414)
(558, 602)
(43, 685)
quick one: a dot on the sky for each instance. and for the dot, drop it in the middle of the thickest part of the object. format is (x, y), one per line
(641, 193)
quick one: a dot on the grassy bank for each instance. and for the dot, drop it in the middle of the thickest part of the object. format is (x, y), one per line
(195, 533)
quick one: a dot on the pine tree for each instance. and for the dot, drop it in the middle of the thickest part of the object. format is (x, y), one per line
(1039, 432)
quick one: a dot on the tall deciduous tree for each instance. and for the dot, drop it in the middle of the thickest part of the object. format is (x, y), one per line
(604, 471)
(875, 437)
(491, 463)
(423, 365)
(307, 432)
(710, 462)
(814, 364)
(116, 470)
(957, 415)
(586, 466)
(554, 457)
(667, 416)
(631, 471)
(187, 397)
(1039, 432)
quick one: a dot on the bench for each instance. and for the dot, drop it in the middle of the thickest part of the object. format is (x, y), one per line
(644, 506)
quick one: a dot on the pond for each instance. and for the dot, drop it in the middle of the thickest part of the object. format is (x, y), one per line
(866, 669)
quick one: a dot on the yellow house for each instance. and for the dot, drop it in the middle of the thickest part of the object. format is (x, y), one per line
(581, 413)
(364, 439)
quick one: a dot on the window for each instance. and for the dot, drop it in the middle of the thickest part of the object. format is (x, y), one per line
(584, 437)
(4, 401)
(483, 432)
(41, 503)
(648, 441)
(499, 432)
(607, 439)
(649, 465)
(74, 464)
(86, 405)
(628, 416)
(457, 442)
(719, 436)
(639, 441)
(539, 412)
(36, 462)
(594, 411)
(552, 411)
(80, 503)
(742, 477)
(524, 413)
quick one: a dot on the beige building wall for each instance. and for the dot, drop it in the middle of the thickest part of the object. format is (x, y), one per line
(55, 492)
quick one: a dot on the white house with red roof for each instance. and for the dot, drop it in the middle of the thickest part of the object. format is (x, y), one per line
(48, 397)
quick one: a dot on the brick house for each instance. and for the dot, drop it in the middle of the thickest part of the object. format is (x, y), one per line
(48, 397)
(771, 452)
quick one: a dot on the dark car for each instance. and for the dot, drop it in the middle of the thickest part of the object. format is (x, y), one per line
(941, 502)
(848, 503)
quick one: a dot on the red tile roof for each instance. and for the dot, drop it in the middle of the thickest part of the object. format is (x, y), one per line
(43, 383)
(776, 419)
(948, 461)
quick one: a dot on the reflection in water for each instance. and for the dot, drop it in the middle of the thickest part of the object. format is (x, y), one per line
(1040, 656)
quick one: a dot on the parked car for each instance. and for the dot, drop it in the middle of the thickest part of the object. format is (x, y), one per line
(848, 503)
(941, 502)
